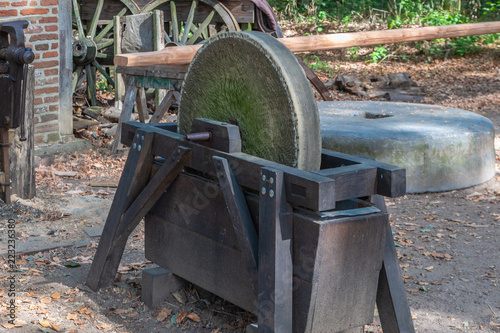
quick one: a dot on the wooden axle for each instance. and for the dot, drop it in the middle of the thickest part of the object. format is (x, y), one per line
(182, 55)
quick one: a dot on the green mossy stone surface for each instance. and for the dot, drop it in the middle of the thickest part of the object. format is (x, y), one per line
(253, 81)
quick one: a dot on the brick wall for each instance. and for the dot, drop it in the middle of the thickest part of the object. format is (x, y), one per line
(42, 36)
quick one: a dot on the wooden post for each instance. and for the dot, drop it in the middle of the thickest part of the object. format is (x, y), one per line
(22, 156)
(275, 255)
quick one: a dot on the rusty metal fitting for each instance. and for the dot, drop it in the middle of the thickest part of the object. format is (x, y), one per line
(200, 136)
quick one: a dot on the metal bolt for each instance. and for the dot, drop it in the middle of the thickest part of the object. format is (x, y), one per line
(139, 148)
(264, 177)
(134, 145)
(142, 138)
(271, 193)
(137, 135)
(263, 191)
(271, 180)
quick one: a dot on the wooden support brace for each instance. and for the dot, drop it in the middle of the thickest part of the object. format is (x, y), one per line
(240, 217)
(128, 107)
(141, 105)
(392, 302)
(133, 199)
(275, 255)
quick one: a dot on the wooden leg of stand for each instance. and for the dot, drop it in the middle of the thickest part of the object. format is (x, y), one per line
(392, 302)
(275, 255)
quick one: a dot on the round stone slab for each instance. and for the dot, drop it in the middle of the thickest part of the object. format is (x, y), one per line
(252, 80)
(441, 148)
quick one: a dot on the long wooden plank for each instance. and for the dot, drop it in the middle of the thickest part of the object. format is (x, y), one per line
(184, 54)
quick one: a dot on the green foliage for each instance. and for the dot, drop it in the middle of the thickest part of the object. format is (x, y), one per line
(318, 65)
(378, 55)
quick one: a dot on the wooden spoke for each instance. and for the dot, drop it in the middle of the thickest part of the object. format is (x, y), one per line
(174, 22)
(76, 10)
(105, 44)
(104, 56)
(76, 77)
(108, 27)
(189, 22)
(103, 72)
(95, 20)
(91, 85)
(200, 29)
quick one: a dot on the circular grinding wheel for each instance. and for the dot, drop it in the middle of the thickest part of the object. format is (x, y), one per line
(251, 80)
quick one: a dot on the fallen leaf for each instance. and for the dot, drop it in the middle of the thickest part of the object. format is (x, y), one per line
(45, 300)
(55, 296)
(44, 323)
(42, 311)
(129, 295)
(180, 317)
(180, 297)
(103, 327)
(429, 268)
(8, 325)
(55, 327)
(71, 316)
(494, 324)
(194, 317)
(164, 313)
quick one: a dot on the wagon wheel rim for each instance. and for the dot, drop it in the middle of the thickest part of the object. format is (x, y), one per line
(187, 32)
(90, 46)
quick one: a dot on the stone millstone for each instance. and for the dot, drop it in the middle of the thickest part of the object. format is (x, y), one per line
(441, 148)
(251, 80)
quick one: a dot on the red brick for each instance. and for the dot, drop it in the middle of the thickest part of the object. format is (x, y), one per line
(52, 71)
(49, 19)
(47, 80)
(34, 11)
(54, 46)
(44, 128)
(48, 117)
(53, 54)
(4, 3)
(50, 28)
(48, 2)
(38, 37)
(10, 12)
(54, 107)
(46, 90)
(42, 47)
(55, 10)
(53, 99)
(19, 3)
(39, 138)
(36, 120)
(38, 100)
(37, 56)
(46, 64)
(33, 3)
(34, 29)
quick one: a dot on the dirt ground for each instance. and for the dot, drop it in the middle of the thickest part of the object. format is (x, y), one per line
(447, 242)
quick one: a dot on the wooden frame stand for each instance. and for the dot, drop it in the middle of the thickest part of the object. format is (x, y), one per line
(305, 251)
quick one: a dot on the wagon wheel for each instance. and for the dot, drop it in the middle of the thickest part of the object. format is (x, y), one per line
(181, 28)
(90, 46)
